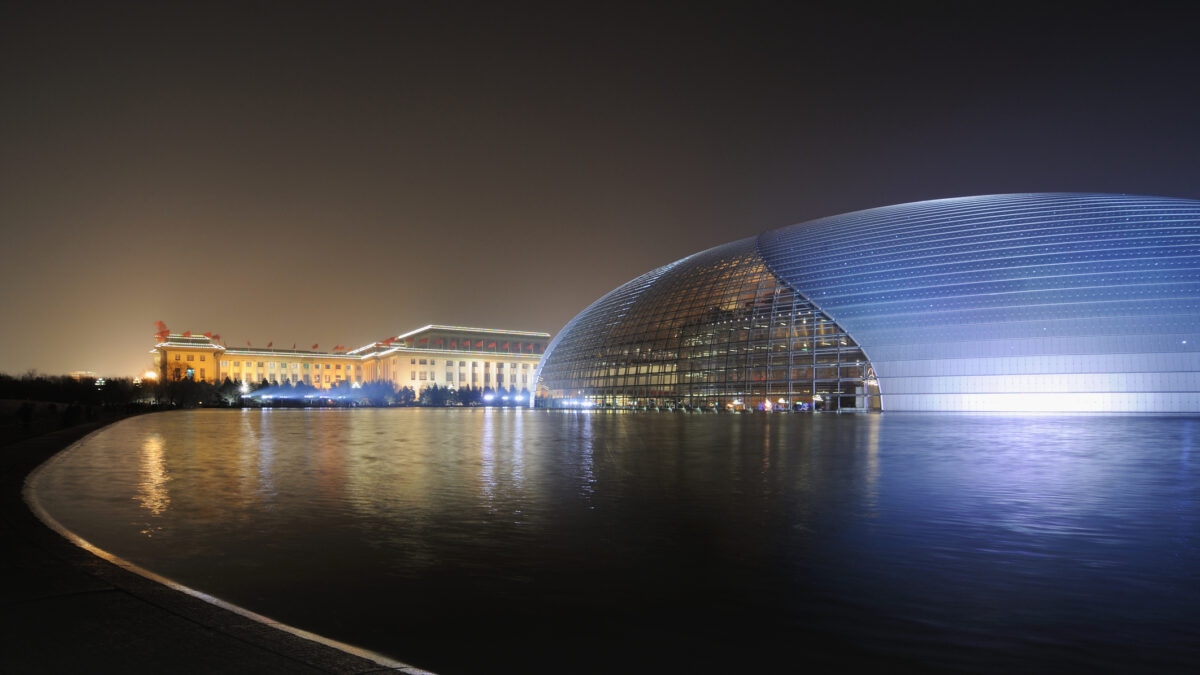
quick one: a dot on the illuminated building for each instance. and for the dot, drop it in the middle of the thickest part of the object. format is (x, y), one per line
(448, 356)
(1026, 302)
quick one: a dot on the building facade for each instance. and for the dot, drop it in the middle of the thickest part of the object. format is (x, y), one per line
(448, 356)
(1029, 302)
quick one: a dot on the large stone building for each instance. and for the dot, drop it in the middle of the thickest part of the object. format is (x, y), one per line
(1026, 302)
(448, 356)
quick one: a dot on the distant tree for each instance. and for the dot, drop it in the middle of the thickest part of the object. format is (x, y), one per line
(435, 396)
(378, 392)
(229, 392)
(471, 396)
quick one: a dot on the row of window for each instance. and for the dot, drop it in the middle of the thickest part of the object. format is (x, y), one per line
(463, 364)
(417, 376)
(283, 365)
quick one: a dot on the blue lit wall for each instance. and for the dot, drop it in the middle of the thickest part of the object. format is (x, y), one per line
(1029, 302)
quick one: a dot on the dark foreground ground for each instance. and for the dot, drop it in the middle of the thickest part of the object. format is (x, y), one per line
(63, 610)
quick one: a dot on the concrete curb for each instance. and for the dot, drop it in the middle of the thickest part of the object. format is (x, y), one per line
(67, 609)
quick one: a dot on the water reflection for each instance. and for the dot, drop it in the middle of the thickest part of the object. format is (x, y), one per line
(451, 538)
(152, 493)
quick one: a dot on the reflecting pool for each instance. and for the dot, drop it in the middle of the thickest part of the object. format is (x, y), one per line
(480, 541)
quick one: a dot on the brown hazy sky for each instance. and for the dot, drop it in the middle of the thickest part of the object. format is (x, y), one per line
(335, 173)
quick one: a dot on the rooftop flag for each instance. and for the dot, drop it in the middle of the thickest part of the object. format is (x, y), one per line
(269, 344)
(315, 346)
(187, 333)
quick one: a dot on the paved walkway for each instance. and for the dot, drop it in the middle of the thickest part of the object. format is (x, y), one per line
(65, 610)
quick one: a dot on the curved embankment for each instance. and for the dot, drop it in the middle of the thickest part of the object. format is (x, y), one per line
(69, 607)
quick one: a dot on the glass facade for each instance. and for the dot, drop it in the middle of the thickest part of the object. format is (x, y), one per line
(1026, 302)
(715, 331)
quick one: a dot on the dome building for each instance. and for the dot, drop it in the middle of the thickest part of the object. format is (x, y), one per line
(1024, 302)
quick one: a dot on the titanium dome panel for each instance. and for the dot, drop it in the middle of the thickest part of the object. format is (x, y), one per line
(715, 330)
(1032, 302)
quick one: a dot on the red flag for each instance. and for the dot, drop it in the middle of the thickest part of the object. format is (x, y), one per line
(479, 344)
(208, 335)
(491, 345)
(453, 344)
(269, 344)
(423, 341)
(162, 327)
(338, 348)
(439, 341)
(187, 333)
(506, 346)
(248, 344)
(315, 346)
(216, 337)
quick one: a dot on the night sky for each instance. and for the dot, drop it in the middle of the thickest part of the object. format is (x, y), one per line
(338, 173)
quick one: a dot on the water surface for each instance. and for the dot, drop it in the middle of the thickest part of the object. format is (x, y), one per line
(472, 541)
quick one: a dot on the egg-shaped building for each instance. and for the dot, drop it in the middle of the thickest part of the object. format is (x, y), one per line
(1025, 302)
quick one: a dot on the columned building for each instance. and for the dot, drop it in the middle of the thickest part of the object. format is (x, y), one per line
(446, 356)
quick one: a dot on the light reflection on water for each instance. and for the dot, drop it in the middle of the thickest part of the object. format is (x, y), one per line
(482, 540)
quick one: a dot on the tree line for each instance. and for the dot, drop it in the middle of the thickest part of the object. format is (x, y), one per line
(189, 393)
(33, 404)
